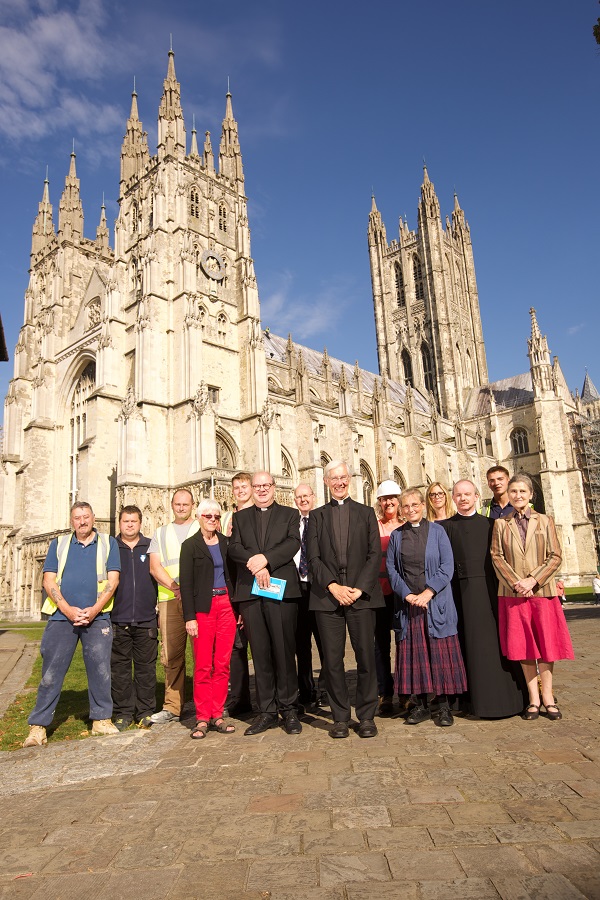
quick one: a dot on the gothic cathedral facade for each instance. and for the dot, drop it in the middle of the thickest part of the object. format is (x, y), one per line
(143, 368)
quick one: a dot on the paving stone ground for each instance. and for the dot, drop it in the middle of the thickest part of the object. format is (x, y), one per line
(486, 809)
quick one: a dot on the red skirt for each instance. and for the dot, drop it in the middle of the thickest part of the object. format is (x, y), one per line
(533, 628)
(428, 665)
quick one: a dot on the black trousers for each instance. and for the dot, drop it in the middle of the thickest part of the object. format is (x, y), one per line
(360, 624)
(306, 629)
(271, 629)
(384, 620)
(239, 676)
(134, 646)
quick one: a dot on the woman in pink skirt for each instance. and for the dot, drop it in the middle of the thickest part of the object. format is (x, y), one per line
(526, 554)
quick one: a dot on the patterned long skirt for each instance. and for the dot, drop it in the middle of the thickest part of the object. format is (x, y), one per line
(427, 665)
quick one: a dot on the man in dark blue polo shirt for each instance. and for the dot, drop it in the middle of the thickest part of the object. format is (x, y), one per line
(81, 573)
(499, 506)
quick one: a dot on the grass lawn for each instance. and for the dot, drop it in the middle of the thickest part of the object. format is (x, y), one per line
(71, 722)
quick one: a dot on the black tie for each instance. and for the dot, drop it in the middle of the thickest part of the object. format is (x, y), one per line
(303, 564)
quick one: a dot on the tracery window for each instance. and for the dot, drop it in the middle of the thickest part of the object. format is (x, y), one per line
(428, 375)
(195, 203)
(324, 460)
(407, 366)
(418, 278)
(78, 424)
(399, 478)
(368, 483)
(225, 452)
(222, 216)
(519, 442)
(399, 282)
(287, 469)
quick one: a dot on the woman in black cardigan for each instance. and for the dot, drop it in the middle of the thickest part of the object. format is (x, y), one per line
(209, 620)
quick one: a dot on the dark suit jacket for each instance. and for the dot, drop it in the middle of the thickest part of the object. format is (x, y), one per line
(196, 575)
(282, 542)
(364, 557)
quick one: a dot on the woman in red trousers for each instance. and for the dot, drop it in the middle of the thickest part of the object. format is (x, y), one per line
(209, 619)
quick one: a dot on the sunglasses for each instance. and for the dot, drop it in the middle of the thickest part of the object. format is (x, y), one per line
(214, 516)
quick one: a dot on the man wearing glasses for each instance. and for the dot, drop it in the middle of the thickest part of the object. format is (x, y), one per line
(264, 541)
(344, 558)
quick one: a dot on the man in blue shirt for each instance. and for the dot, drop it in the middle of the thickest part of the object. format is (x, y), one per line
(81, 574)
(498, 507)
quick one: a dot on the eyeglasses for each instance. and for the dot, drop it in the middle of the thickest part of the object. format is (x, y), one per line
(410, 506)
(263, 487)
(214, 516)
(304, 497)
(436, 495)
(340, 479)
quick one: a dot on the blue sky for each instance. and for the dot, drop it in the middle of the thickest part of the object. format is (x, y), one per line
(333, 100)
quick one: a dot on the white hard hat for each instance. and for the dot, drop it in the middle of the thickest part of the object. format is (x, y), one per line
(388, 489)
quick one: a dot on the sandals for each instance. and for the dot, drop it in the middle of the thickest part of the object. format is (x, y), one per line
(531, 712)
(552, 711)
(199, 732)
(222, 726)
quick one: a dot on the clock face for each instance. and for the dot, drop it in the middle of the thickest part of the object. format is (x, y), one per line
(212, 265)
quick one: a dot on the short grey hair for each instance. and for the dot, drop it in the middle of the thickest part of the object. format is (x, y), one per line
(468, 480)
(335, 464)
(208, 505)
(81, 504)
(522, 478)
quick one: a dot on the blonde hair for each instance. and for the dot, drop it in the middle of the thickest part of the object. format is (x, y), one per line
(449, 507)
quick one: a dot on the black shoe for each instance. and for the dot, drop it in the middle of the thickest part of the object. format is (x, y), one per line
(339, 730)
(445, 717)
(262, 723)
(386, 706)
(420, 713)
(237, 710)
(122, 723)
(292, 723)
(367, 728)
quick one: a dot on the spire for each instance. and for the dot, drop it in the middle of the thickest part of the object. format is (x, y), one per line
(375, 222)
(589, 391)
(70, 210)
(134, 150)
(194, 144)
(209, 156)
(43, 226)
(428, 205)
(102, 234)
(539, 359)
(171, 128)
(458, 216)
(230, 154)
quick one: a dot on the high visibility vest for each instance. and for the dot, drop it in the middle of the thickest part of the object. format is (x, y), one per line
(62, 551)
(170, 548)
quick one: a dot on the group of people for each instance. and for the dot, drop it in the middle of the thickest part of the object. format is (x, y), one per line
(469, 595)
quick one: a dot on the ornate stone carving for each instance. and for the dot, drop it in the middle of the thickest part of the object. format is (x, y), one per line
(105, 339)
(201, 401)
(93, 314)
(129, 406)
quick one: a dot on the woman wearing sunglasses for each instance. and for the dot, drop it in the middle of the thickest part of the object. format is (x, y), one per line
(206, 589)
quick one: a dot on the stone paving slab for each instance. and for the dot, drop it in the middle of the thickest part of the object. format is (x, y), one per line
(507, 809)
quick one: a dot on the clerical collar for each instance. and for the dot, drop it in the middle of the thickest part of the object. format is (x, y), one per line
(415, 524)
(335, 502)
(467, 515)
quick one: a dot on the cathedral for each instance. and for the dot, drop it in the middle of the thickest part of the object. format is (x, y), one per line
(142, 366)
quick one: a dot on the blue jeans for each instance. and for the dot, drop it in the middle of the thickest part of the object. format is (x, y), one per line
(58, 646)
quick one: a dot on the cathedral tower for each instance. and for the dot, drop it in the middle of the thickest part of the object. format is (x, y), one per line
(427, 316)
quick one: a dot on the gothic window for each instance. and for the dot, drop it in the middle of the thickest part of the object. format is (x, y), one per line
(519, 442)
(470, 369)
(135, 217)
(202, 316)
(418, 277)
(428, 376)
(213, 393)
(83, 388)
(151, 214)
(399, 282)
(407, 367)
(225, 452)
(195, 203)
(222, 216)
(222, 324)
(368, 483)
(399, 478)
(287, 469)
(324, 460)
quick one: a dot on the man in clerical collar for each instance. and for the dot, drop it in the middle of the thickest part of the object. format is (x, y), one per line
(496, 686)
(344, 558)
(264, 541)
(499, 507)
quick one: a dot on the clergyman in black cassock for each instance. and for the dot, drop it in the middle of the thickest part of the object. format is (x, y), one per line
(496, 687)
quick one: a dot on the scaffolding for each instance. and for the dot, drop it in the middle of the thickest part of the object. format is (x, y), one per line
(586, 440)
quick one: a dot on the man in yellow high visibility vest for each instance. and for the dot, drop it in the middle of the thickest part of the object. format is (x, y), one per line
(81, 574)
(164, 550)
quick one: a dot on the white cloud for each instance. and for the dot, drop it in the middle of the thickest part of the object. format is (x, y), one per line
(285, 309)
(44, 50)
(574, 329)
